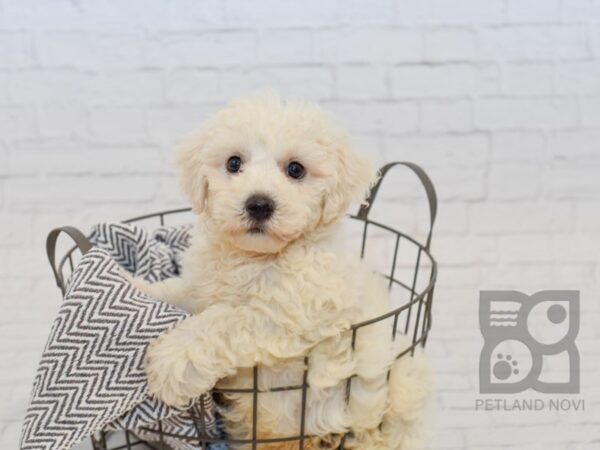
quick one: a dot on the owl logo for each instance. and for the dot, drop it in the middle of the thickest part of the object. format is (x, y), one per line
(525, 336)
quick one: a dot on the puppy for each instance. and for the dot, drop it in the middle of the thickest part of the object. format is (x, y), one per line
(270, 281)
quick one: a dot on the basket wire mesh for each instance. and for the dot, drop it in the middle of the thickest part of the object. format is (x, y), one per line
(413, 315)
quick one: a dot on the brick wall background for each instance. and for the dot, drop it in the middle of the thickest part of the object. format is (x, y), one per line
(499, 100)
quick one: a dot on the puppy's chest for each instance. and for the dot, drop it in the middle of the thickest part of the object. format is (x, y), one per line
(233, 283)
(308, 284)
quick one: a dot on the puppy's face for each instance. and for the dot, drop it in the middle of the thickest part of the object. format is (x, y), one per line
(265, 173)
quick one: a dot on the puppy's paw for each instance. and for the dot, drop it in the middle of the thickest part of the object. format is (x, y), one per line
(139, 283)
(125, 274)
(172, 377)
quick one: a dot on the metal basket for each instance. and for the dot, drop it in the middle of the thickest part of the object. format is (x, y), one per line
(413, 315)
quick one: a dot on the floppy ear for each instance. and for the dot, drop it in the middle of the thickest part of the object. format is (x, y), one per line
(353, 177)
(192, 175)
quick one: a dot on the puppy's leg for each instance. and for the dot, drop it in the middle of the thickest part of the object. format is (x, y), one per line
(188, 360)
(374, 355)
(176, 291)
(410, 384)
(331, 361)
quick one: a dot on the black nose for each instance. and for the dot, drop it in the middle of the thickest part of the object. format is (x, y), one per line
(260, 207)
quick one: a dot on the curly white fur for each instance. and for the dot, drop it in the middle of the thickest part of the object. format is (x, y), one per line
(271, 298)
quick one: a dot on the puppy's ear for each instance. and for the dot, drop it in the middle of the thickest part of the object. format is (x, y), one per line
(353, 177)
(192, 176)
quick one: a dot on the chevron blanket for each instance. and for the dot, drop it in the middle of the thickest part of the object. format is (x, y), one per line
(154, 256)
(91, 375)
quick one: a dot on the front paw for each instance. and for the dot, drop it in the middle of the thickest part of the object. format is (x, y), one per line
(172, 376)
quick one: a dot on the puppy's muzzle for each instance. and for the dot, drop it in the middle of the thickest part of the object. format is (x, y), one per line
(259, 207)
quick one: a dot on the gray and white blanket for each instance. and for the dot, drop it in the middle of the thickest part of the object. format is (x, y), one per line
(91, 376)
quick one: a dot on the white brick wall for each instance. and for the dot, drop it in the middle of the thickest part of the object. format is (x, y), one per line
(499, 100)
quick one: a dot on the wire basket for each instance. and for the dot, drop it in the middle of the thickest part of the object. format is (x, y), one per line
(413, 277)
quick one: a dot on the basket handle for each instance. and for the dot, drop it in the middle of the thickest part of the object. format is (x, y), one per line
(365, 208)
(81, 242)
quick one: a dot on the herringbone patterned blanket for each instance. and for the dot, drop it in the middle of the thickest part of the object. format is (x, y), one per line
(91, 374)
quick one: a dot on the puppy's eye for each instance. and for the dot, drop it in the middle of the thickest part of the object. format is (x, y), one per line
(234, 164)
(295, 170)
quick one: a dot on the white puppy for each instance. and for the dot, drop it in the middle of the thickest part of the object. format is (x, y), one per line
(269, 283)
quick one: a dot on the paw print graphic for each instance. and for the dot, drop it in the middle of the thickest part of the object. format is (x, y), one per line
(509, 362)
(505, 367)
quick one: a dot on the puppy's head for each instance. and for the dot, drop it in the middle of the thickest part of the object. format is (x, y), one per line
(264, 172)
